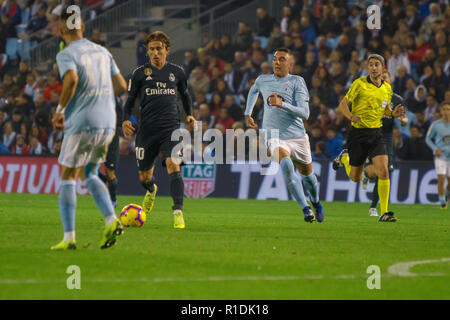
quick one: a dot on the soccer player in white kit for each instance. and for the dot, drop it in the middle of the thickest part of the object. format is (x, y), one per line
(438, 139)
(286, 106)
(87, 113)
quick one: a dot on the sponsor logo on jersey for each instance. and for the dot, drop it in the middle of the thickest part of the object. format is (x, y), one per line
(199, 179)
(172, 77)
(383, 105)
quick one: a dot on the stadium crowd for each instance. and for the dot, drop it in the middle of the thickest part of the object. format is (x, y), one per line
(329, 40)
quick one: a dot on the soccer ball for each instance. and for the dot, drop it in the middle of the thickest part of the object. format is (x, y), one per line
(132, 215)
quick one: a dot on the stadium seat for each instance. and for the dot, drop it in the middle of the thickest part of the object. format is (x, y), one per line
(25, 48)
(12, 48)
(263, 41)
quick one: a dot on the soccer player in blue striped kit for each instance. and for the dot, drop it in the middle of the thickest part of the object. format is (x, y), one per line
(286, 106)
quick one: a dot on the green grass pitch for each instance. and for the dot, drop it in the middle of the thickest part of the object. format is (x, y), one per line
(231, 249)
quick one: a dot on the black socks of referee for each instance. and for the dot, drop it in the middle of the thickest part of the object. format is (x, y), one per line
(176, 190)
(149, 185)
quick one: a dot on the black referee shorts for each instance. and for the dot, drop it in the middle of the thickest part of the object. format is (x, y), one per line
(148, 147)
(390, 154)
(363, 143)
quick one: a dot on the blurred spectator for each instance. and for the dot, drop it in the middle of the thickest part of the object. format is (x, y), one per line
(412, 18)
(215, 104)
(334, 143)
(20, 147)
(16, 119)
(12, 10)
(190, 62)
(199, 99)
(21, 78)
(3, 148)
(320, 151)
(226, 50)
(308, 31)
(30, 86)
(234, 110)
(57, 148)
(25, 105)
(265, 23)
(397, 59)
(96, 37)
(275, 39)
(52, 85)
(38, 22)
(8, 85)
(9, 135)
(233, 78)
(243, 38)
(417, 102)
(239, 61)
(432, 107)
(399, 84)
(224, 119)
(35, 147)
(416, 148)
(285, 20)
(206, 117)
(141, 49)
(422, 123)
(315, 135)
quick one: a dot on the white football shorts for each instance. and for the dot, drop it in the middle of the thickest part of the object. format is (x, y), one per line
(79, 149)
(299, 148)
(442, 167)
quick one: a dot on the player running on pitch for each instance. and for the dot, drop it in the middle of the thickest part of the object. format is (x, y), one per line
(286, 106)
(86, 112)
(387, 128)
(156, 83)
(438, 139)
(370, 97)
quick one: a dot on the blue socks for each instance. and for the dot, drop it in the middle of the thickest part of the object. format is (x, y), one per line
(312, 185)
(293, 182)
(67, 203)
(101, 196)
(442, 200)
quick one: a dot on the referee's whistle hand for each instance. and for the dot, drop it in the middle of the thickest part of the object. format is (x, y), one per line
(128, 129)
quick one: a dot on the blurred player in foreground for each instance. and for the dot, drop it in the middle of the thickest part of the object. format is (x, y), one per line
(86, 112)
(286, 105)
(156, 84)
(438, 139)
(370, 97)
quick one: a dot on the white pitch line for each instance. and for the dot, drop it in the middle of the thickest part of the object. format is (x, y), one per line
(204, 279)
(401, 269)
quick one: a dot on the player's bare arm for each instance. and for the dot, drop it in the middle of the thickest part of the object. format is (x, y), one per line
(343, 107)
(69, 86)
(119, 84)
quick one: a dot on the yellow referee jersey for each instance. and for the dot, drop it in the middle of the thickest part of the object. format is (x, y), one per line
(369, 101)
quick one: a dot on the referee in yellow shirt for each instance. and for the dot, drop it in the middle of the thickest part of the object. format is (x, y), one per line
(370, 97)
